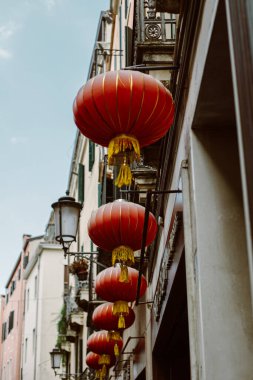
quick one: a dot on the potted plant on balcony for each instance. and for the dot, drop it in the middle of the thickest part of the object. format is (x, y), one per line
(80, 268)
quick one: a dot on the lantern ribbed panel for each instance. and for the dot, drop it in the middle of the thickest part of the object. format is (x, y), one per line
(109, 288)
(103, 317)
(123, 101)
(120, 223)
(100, 343)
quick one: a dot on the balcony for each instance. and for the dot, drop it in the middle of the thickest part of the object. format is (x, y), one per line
(76, 320)
(82, 296)
(155, 34)
(71, 335)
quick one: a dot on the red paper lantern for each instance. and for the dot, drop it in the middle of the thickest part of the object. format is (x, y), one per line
(118, 227)
(100, 363)
(104, 319)
(123, 110)
(101, 342)
(109, 287)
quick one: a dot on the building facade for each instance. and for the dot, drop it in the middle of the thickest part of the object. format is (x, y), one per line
(11, 319)
(196, 319)
(44, 276)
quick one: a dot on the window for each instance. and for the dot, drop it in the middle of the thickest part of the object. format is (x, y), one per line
(4, 331)
(128, 45)
(25, 261)
(99, 194)
(35, 286)
(91, 154)
(19, 274)
(126, 8)
(80, 356)
(13, 287)
(81, 182)
(11, 321)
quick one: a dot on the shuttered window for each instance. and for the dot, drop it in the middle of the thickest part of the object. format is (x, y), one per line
(11, 321)
(128, 45)
(91, 154)
(4, 331)
(81, 183)
(99, 194)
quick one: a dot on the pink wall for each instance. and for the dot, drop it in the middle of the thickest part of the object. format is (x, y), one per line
(10, 347)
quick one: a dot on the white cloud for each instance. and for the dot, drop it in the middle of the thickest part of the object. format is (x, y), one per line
(50, 4)
(14, 140)
(7, 30)
(5, 54)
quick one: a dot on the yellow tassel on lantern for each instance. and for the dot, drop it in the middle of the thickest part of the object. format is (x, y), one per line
(121, 322)
(103, 372)
(124, 176)
(120, 307)
(123, 149)
(123, 254)
(123, 274)
(113, 335)
(97, 374)
(104, 359)
(123, 143)
(116, 350)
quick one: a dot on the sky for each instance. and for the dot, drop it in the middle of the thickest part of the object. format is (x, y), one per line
(45, 51)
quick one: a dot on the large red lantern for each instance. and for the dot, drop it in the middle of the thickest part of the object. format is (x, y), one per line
(103, 343)
(100, 363)
(117, 227)
(104, 319)
(124, 111)
(109, 287)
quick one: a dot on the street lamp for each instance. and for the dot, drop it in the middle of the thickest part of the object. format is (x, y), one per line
(66, 218)
(56, 357)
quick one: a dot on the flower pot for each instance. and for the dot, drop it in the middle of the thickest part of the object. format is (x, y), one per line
(82, 275)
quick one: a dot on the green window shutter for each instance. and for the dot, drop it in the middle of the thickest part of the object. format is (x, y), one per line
(91, 154)
(128, 45)
(99, 194)
(81, 178)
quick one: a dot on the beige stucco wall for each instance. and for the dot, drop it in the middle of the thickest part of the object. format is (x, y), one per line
(40, 320)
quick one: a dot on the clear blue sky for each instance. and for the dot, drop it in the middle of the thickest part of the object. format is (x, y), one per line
(45, 50)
